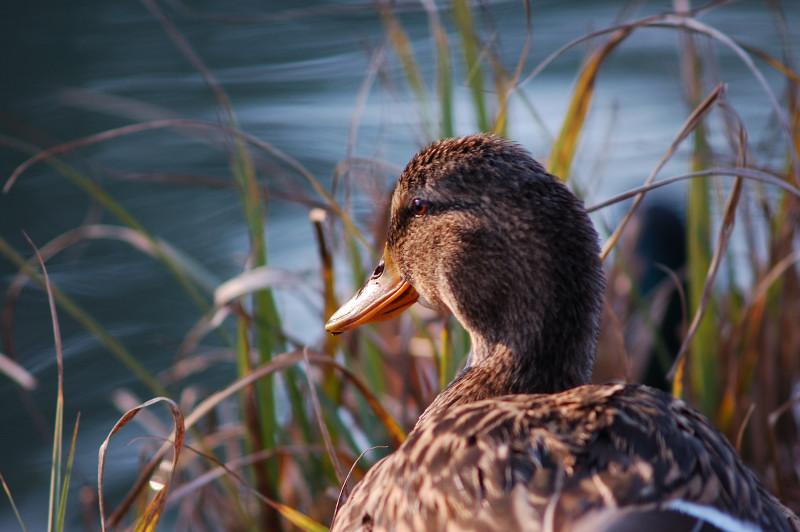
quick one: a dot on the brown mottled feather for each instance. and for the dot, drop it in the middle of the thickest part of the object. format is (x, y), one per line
(519, 441)
(526, 462)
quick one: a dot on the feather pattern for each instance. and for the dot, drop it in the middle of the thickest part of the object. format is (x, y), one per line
(519, 440)
(544, 461)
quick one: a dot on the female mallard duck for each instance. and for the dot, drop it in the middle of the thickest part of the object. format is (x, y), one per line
(519, 440)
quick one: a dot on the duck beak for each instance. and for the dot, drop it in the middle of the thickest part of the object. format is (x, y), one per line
(382, 298)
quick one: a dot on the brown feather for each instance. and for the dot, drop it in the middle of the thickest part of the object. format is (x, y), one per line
(519, 440)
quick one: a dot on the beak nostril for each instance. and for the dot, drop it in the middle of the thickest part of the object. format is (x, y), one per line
(381, 298)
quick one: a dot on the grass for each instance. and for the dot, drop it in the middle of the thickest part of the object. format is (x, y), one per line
(239, 461)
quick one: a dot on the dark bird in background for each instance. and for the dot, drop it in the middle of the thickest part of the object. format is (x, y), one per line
(661, 247)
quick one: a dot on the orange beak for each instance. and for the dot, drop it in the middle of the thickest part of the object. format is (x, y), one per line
(382, 298)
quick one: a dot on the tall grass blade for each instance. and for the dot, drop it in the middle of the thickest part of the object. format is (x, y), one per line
(13, 504)
(563, 150)
(402, 45)
(444, 72)
(705, 297)
(462, 15)
(56, 493)
(301, 521)
(703, 378)
(62, 508)
(246, 181)
(446, 356)
(504, 93)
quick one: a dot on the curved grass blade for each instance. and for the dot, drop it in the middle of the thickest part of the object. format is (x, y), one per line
(719, 250)
(278, 363)
(563, 150)
(284, 361)
(104, 199)
(222, 468)
(696, 116)
(86, 321)
(746, 173)
(350, 474)
(17, 373)
(688, 21)
(253, 280)
(179, 123)
(326, 437)
(152, 514)
(298, 519)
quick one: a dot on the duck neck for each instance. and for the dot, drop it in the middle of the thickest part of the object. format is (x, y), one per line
(532, 365)
(535, 340)
(502, 368)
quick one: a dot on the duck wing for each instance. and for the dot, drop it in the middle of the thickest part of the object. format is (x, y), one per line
(596, 457)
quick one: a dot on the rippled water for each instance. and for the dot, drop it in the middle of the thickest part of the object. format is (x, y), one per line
(70, 69)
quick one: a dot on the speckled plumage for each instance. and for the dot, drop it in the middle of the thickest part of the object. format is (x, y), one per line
(519, 441)
(544, 462)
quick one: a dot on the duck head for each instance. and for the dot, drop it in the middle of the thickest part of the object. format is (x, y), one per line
(479, 229)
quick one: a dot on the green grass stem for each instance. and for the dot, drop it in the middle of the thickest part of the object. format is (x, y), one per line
(703, 366)
(85, 320)
(13, 504)
(471, 48)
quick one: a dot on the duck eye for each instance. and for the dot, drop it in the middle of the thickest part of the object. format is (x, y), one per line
(419, 206)
(378, 270)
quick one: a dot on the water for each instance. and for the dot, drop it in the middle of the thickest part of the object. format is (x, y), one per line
(293, 75)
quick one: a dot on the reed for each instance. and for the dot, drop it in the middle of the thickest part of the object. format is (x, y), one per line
(272, 448)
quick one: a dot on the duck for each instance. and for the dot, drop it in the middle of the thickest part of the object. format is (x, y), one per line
(520, 439)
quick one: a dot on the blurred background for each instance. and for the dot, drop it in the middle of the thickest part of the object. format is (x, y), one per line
(327, 85)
